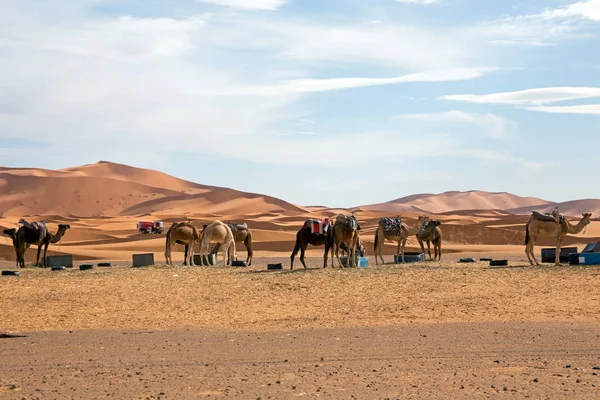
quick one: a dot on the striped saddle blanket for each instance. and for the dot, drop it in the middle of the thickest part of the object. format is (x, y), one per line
(392, 225)
(318, 227)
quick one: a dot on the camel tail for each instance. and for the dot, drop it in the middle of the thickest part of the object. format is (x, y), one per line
(527, 237)
(248, 243)
(167, 244)
(375, 243)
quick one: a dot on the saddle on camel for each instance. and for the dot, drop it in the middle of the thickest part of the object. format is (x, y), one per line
(318, 227)
(393, 226)
(37, 226)
(238, 227)
(554, 216)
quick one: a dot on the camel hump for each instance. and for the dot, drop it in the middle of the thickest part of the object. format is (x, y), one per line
(238, 227)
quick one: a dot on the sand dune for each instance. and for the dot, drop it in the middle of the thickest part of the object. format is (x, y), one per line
(108, 189)
(457, 201)
(103, 202)
(571, 208)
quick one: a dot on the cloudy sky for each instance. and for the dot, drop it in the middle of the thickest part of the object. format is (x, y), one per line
(325, 102)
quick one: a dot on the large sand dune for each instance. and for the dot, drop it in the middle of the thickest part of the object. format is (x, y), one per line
(103, 202)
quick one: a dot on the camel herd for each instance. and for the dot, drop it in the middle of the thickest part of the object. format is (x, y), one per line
(342, 233)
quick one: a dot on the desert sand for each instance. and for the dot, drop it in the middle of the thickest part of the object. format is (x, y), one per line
(432, 329)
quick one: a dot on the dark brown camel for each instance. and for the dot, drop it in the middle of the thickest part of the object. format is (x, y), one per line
(241, 234)
(304, 237)
(431, 233)
(12, 233)
(28, 235)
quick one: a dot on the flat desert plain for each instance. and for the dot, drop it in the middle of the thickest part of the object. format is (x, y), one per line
(420, 330)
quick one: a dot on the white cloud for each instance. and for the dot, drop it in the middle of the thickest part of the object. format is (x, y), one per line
(83, 85)
(249, 4)
(589, 9)
(324, 85)
(417, 1)
(579, 109)
(495, 126)
(409, 47)
(530, 96)
(544, 27)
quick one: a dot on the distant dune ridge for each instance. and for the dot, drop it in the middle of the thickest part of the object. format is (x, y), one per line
(110, 189)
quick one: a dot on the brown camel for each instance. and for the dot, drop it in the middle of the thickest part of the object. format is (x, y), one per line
(34, 233)
(346, 229)
(217, 232)
(431, 233)
(551, 228)
(400, 233)
(241, 234)
(184, 233)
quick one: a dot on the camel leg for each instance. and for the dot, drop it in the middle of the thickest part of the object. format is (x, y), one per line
(45, 264)
(294, 252)
(248, 244)
(403, 246)
(421, 244)
(380, 243)
(439, 250)
(532, 252)
(429, 249)
(337, 254)
(527, 253)
(400, 250)
(302, 250)
(327, 248)
(225, 247)
(37, 260)
(354, 255)
(557, 259)
(168, 250)
(376, 248)
(191, 254)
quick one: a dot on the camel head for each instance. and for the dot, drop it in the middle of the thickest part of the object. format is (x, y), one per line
(587, 217)
(63, 227)
(10, 232)
(362, 248)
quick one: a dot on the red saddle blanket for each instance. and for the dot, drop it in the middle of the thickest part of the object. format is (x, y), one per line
(318, 227)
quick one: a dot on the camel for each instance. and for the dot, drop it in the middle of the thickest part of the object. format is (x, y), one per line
(551, 228)
(304, 237)
(346, 229)
(431, 233)
(241, 234)
(182, 233)
(34, 233)
(217, 232)
(400, 236)
(12, 233)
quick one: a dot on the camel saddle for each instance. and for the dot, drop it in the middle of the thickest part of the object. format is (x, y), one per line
(36, 226)
(238, 227)
(392, 225)
(349, 220)
(547, 217)
(318, 227)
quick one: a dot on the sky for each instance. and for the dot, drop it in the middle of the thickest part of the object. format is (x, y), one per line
(317, 102)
